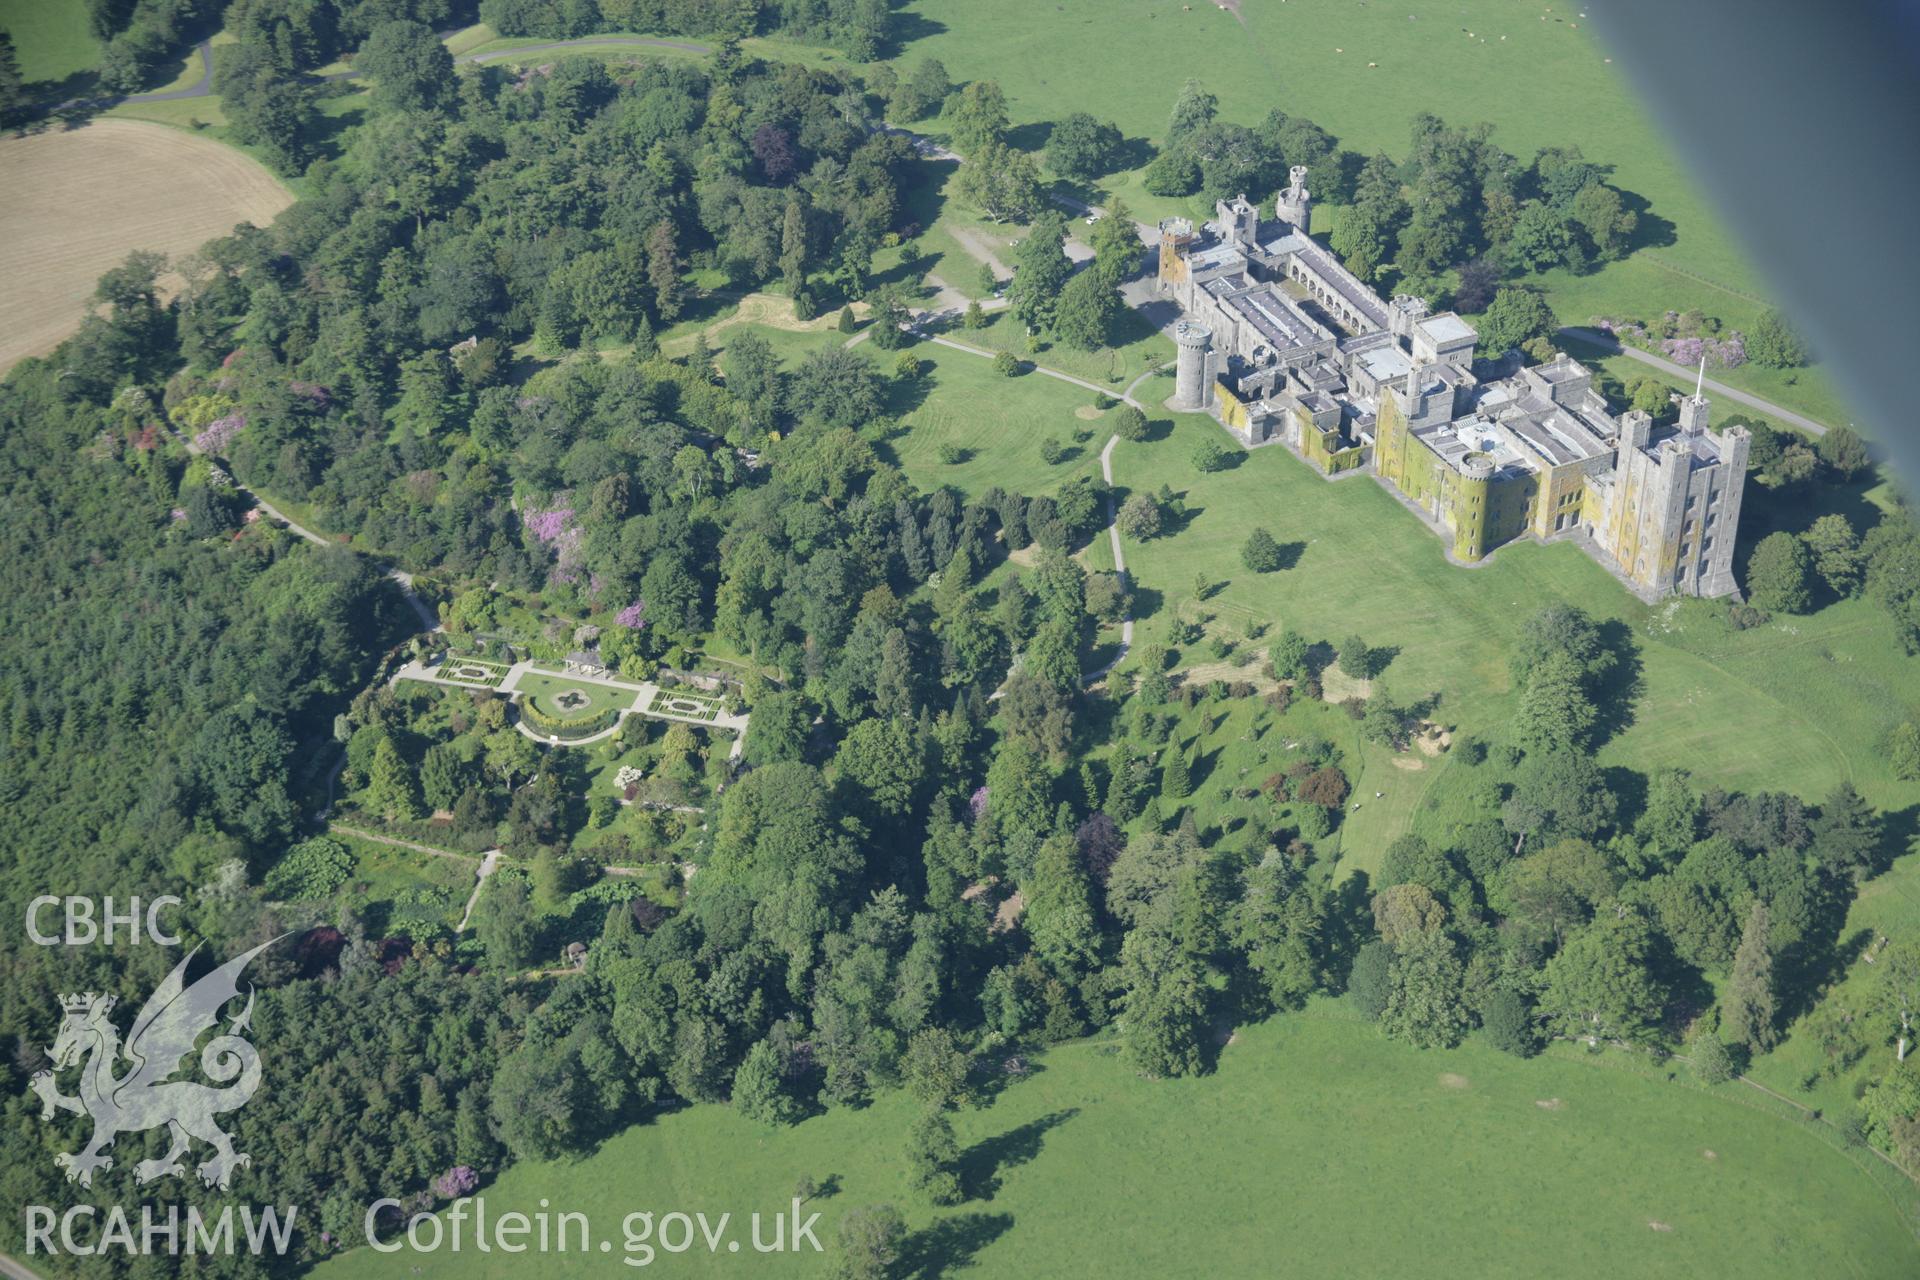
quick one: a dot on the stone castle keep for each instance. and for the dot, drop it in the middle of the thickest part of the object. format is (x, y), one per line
(1282, 343)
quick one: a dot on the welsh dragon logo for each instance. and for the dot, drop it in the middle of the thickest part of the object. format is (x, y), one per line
(143, 1097)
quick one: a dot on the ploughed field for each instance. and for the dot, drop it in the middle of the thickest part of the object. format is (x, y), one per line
(74, 203)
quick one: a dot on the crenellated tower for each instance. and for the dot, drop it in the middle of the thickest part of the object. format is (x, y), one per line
(1295, 204)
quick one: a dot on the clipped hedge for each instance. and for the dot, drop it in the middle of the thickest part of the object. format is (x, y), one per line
(550, 726)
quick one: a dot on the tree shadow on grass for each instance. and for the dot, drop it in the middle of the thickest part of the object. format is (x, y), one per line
(1899, 835)
(1200, 768)
(1178, 515)
(328, 134)
(905, 395)
(1290, 553)
(1629, 790)
(948, 1245)
(1651, 231)
(825, 1189)
(1622, 684)
(1031, 136)
(982, 1164)
(1132, 153)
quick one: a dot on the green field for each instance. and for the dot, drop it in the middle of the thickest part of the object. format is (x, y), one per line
(51, 39)
(1796, 705)
(1305, 1154)
(1547, 83)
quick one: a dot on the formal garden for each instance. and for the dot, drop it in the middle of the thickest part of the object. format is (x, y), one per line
(477, 672)
(554, 704)
(684, 700)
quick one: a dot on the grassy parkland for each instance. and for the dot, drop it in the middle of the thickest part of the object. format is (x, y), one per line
(1795, 705)
(1364, 72)
(1329, 1130)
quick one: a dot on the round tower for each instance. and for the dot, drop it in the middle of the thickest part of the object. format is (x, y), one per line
(1192, 387)
(1474, 495)
(1295, 204)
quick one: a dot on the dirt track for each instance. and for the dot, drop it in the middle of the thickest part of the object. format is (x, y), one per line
(74, 203)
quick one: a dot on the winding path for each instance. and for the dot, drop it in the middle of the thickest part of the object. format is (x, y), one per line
(1119, 556)
(1106, 472)
(198, 89)
(487, 866)
(429, 620)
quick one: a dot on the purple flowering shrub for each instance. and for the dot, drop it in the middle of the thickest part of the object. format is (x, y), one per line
(456, 1182)
(549, 526)
(1722, 353)
(557, 529)
(220, 433)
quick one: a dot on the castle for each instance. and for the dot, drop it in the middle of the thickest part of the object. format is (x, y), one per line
(1282, 343)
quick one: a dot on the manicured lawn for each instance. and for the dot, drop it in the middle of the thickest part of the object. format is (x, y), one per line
(1546, 83)
(546, 693)
(1305, 1155)
(471, 38)
(1113, 367)
(1796, 705)
(998, 421)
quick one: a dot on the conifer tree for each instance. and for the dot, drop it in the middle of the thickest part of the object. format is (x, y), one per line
(1748, 1007)
(1176, 780)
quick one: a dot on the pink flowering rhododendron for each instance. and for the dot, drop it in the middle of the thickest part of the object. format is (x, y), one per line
(549, 526)
(633, 615)
(1722, 353)
(455, 1182)
(977, 804)
(220, 433)
(557, 529)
